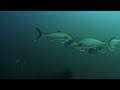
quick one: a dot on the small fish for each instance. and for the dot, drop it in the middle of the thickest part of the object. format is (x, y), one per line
(58, 35)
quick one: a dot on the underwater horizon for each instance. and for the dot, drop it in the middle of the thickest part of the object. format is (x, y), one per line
(21, 58)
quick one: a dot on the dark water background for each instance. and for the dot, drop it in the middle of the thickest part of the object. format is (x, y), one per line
(44, 59)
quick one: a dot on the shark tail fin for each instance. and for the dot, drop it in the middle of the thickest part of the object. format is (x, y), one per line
(40, 34)
(108, 43)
